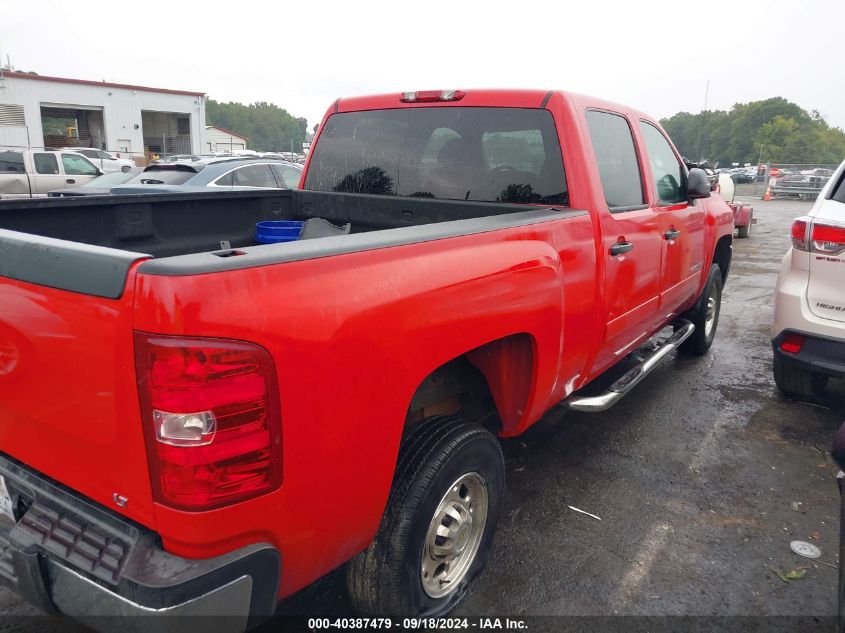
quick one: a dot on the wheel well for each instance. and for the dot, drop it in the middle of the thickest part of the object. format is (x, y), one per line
(489, 384)
(722, 255)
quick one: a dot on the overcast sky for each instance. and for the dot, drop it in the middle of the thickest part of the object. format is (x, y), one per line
(656, 56)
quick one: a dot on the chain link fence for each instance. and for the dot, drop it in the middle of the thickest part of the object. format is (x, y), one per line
(792, 180)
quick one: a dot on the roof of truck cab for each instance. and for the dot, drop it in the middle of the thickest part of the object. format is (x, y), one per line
(477, 97)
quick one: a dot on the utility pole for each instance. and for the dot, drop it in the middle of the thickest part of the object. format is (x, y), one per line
(703, 118)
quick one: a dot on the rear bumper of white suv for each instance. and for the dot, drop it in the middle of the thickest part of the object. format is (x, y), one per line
(823, 350)
(818, 354)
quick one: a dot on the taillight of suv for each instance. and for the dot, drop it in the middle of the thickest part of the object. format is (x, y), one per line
(812, 236)
(212, 420)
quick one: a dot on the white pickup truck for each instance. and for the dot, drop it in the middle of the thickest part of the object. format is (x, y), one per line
(28, 173)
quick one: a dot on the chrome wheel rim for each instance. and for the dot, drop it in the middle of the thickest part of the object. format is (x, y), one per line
(454, 535)
(712, 312)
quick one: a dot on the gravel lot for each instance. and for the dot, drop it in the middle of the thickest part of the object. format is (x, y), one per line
(702, 476)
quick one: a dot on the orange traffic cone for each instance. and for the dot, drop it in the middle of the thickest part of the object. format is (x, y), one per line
(768, 195)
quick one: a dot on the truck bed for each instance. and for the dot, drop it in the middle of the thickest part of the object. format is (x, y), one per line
(165, 225)
(88, 245)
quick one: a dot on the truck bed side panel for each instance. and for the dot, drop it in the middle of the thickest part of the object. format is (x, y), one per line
(352, 337)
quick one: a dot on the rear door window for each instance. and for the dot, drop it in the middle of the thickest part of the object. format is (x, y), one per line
(288, 177)
(509, 155)
(255, 176)
(226, 181)
(616, 156)
(45, 163)
(77, 166)
(11, 163)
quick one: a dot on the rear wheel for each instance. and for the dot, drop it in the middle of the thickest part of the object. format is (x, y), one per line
(745, 231)
(796, 383)
(438, 524)
(705, 315)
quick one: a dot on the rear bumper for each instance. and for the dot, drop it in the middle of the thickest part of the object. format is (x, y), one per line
(792, 312)
(819, 354)
(65, 554)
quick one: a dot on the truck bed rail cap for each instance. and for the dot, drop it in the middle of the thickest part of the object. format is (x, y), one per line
(46, 261)
(268, 254)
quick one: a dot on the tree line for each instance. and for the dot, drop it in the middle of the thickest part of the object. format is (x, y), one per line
(267, 127)
(770, 131)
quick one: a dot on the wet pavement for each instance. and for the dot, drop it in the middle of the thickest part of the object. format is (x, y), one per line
(701, 477)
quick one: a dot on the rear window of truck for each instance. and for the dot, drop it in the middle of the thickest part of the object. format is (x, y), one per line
(509, 155)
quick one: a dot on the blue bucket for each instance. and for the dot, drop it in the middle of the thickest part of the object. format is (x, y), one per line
(276, 231)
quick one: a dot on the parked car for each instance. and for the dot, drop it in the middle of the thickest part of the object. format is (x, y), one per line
(741, 176)
(808, 334)
(26, 173)
(214, 174)
(99, 186)
(106, 161)
(228, 422)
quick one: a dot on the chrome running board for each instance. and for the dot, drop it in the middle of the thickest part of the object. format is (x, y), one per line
(634, 375)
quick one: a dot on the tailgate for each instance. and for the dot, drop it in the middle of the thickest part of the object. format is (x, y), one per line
(825, 291)
(68, 397)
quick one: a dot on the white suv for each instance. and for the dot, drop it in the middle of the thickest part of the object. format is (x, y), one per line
(809, 325)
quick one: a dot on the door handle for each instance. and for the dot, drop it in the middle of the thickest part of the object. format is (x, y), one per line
(671, 235)
(70, 181)
(621, 247)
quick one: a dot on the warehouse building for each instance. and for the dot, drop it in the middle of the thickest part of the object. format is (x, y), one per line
(39, 111)
(219, 139)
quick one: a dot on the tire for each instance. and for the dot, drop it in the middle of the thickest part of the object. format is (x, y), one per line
(745, 231)
(796, 383)
(705, 315)
(444, 456)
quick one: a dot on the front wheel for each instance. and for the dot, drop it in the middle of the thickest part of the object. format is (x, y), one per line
(439, 521)
(705, 315)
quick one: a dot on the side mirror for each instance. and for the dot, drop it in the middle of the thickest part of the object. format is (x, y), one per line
(698, 185)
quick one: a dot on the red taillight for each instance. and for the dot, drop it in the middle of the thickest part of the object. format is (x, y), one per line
(828, 239)
(422, 96)
(792, 343)
(799, 234)
(212, 420)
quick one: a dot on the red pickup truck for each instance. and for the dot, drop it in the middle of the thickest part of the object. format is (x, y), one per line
(193, 423)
